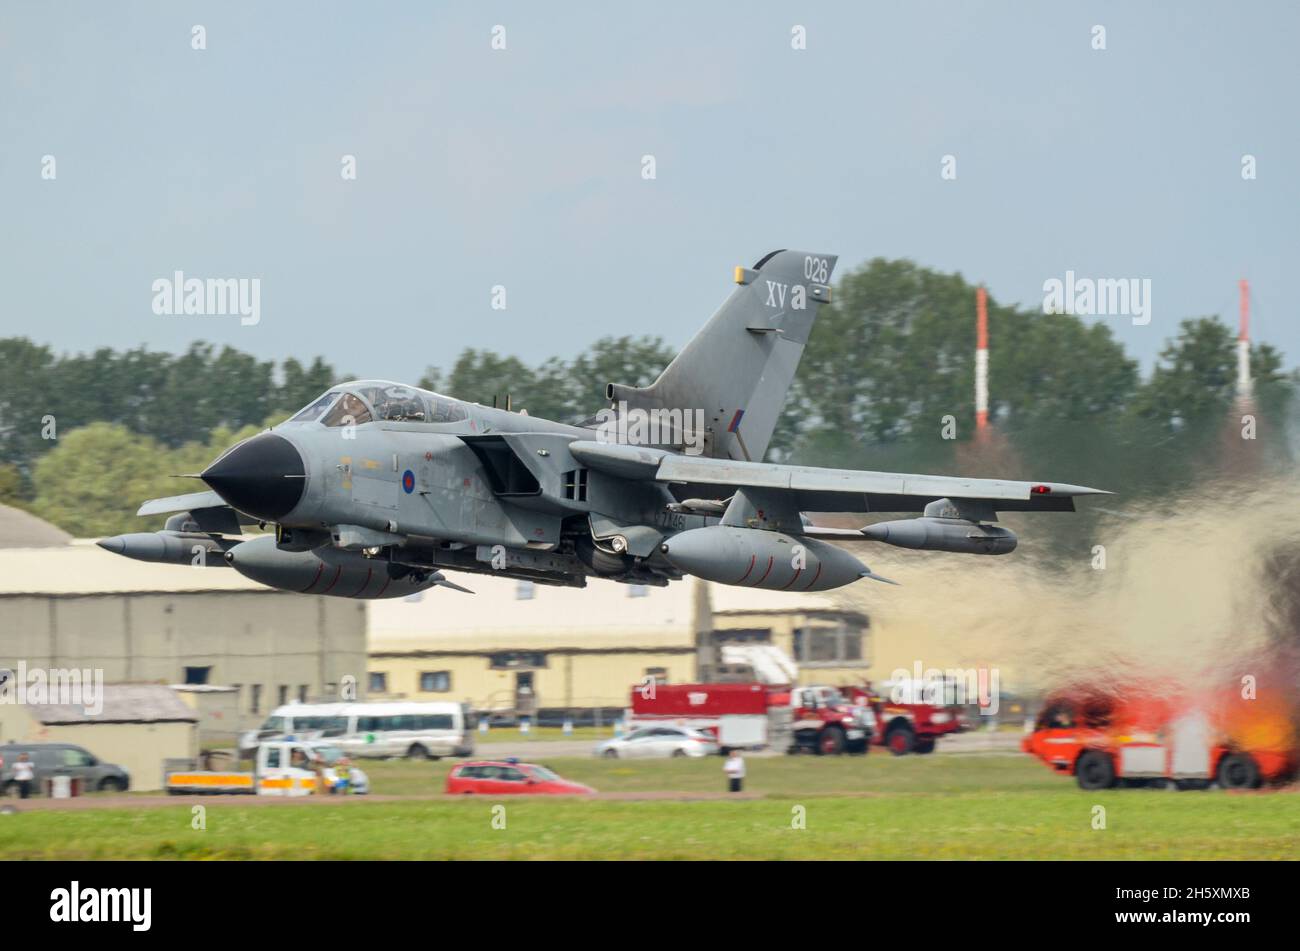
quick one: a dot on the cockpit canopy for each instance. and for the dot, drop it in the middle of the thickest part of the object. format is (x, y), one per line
(364, 402)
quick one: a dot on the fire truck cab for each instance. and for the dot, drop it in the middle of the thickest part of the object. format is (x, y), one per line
(827, 724)
(815, 719)
(1104, 740)
(907, 727)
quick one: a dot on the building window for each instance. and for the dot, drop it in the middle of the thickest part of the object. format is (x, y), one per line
(255, 699)
(828, 645)
(507, 660)
(524, 590)
(823, 645)
(745, 635)
(658, 675)
(302, 693)
(852, 642)
(435, 681)
(197, 675)
(378, 682)
(283, 694)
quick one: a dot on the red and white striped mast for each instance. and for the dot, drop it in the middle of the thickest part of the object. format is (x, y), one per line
(1244, 383)
(981, 361)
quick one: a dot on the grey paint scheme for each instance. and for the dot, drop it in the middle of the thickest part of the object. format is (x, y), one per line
(490, 490)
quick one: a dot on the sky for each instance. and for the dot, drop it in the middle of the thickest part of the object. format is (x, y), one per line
(523, 167)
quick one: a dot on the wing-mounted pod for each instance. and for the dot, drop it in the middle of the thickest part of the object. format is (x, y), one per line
(171, 548)
(943, 534)
(952, 525)
(199, 531)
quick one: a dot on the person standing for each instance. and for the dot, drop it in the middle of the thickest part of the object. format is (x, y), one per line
(342, 776)
(317, 766)
(734, 767)
(24, 774)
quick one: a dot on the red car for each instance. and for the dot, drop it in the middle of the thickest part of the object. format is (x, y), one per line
(509, 777)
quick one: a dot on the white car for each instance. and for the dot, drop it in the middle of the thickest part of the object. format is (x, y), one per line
(659, 741)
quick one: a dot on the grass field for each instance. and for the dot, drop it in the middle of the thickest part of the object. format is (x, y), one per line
(957, 807)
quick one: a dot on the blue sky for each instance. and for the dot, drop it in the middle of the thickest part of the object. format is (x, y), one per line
(523, 167)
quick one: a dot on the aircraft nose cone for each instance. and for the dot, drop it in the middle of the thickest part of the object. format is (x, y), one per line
(115, 544)
(263, 477)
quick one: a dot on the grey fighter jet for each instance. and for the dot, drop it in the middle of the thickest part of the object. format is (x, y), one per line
(376, 489)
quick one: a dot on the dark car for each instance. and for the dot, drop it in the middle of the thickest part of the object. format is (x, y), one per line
(61, 759)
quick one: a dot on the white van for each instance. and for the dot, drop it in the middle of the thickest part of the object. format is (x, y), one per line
(302, 721)
(393, 728)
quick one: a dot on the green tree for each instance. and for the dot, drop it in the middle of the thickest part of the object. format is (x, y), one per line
(25, 398)
(95, 478)
(176, 399)
(482, 376)
(13, 490)
(894, 355)
(300, 385)
(557, 389)
(1194, 380)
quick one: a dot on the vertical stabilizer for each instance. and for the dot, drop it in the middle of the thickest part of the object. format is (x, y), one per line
(739, 367)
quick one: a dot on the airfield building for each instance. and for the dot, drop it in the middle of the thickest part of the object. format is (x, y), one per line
(522, 648)
(135, 726)
(70, 604)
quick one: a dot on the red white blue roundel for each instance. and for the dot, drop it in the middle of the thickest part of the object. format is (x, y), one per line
(408, 481)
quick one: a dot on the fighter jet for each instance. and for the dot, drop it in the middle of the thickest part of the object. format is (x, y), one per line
(376, 489)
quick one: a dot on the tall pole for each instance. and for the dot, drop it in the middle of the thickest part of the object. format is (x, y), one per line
(981, 359)
(1244, 384)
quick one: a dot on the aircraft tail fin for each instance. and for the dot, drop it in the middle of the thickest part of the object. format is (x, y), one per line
(737, 370)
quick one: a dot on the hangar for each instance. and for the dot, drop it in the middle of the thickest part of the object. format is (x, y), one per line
(68, 603)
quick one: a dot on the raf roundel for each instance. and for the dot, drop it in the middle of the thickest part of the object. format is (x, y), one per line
(408, 481)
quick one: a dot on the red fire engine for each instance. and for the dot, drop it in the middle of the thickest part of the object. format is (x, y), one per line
(1162, 734)
(751, 715)
(907, 727)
